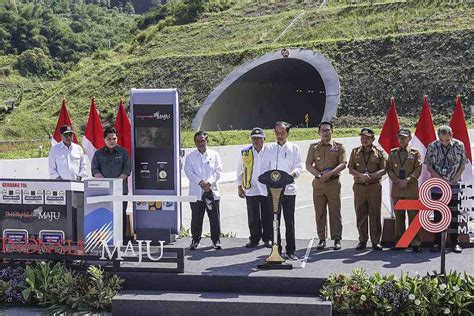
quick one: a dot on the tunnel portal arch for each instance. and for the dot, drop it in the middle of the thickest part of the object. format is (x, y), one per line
(278, 86)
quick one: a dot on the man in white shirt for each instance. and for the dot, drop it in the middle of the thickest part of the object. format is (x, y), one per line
(67, 160)
(285, 156)
(255, 193)
(203, 168)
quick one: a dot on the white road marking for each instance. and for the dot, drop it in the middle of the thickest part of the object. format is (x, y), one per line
(308, 250)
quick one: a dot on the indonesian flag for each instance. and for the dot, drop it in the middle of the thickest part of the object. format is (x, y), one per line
(424, 135)
(63, 119)
(94, 136)
(124, 130)
(388, 140)
(458, 125)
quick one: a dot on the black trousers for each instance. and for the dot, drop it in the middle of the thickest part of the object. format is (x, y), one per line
(197, 215)
(259, 218)
(288, 210)
(453, 206)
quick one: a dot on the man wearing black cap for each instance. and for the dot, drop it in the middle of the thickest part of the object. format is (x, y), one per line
(404, 169)
(66, 159)
(367, 166)
(255, 193)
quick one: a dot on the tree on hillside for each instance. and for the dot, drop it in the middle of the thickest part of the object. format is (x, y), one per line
(34, 62)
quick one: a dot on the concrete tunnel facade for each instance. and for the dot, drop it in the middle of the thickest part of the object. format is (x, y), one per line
(278, 86)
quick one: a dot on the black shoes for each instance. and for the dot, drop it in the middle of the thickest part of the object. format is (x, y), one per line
(291, 256)
(361, 246)
(457, 248)
(377, 247)
(416, 248)
(217, 245)
(251, 244)
(268, 244)
(321, 245)
(194, 245)
(337, 244)
(436, 248)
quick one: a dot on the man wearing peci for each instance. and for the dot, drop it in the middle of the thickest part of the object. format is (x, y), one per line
(367, 166)
(404, 169)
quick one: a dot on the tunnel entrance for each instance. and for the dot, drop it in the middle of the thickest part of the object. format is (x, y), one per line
(280, 86)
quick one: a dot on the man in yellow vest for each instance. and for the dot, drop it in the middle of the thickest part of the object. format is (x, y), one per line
(258, 208)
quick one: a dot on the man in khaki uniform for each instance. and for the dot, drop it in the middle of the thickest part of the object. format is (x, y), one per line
(367, 166)
(326, 159)
(404, 169)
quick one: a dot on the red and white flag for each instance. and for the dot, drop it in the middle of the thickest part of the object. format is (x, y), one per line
(388, 140)
(459, 127)
(124, 129)
(424, 135)
(63, 119)
(94, 136)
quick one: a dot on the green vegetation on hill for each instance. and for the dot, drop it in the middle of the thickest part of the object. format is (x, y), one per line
(49, 37)
(379, 48)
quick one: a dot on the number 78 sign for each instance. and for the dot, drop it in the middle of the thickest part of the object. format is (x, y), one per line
(424, 206)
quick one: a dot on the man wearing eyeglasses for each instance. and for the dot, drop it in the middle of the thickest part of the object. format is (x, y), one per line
(67, 160)
(113, 161)
(446, 159)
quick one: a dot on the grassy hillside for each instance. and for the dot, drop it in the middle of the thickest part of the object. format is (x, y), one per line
(401, 48)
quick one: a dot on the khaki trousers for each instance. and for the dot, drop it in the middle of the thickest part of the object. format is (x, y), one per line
(367, 202)
(327, 196)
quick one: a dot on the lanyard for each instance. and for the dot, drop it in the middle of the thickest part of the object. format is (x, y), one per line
(400, 159)
(445, 154)
(366, 161)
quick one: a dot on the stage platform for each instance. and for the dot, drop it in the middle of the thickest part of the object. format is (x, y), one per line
(230, 274)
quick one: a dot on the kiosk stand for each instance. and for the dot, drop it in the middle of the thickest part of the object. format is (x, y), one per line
(155, 161)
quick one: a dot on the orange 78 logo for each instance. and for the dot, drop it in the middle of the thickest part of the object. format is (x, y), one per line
(424, 207)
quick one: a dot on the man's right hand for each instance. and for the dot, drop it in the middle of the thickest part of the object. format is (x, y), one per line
(241, 192)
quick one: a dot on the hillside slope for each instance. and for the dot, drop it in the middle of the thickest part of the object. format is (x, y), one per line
(405, 49)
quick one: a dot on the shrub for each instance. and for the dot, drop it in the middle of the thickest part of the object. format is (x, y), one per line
(58, 288)
(378, 294)
(11, 284)
(34, 62)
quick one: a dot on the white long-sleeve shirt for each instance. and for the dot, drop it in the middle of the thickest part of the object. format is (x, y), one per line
(286, 158)
(67, 163)
(256, 188)
(203, 167)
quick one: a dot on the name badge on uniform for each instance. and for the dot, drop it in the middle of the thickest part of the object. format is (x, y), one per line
(402, 174)
(333, 148)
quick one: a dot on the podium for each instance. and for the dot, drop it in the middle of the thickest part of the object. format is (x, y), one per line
(103, 221)
(276, 181)
(47, 210)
